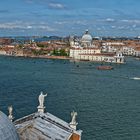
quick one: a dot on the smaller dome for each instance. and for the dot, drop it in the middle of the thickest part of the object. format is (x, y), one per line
(7, 129)
(86, 37)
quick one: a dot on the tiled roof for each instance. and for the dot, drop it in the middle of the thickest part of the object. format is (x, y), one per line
(137, 49)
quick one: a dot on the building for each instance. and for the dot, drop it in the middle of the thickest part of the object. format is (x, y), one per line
(86, 41)
(2, 52)
(137, 52)
(112, 47)
(85, 50)
(5, 41)
(40, 125)
(127, 50)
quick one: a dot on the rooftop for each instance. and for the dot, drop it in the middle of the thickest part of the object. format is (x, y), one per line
(46, 125)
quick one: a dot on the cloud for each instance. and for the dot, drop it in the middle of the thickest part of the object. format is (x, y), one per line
(49, 3)
(56, 6)
(26, 26)
(60, 22)
(74, 22)
(131, 21)
(107, 20)
(134, 25)
(113, 27)
(10, 26)
(110, 20)
(29, 27)
(45, 27)
(121, 27)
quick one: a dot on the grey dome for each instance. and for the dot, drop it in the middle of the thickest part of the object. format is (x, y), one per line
(86, 38)
(7, 129)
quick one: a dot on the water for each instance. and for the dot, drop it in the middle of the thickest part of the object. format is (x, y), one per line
(107, 102)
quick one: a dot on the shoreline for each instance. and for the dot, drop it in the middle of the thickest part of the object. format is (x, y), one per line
(40, 56)
(59, 58)
(51, 57)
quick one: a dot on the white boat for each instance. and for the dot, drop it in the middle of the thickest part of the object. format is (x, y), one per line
(135, 78)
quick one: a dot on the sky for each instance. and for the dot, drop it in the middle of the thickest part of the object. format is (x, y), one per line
(69, 17)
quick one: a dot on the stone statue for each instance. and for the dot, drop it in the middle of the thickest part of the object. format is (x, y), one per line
(73, 122)
(73, 115)
(41, 99)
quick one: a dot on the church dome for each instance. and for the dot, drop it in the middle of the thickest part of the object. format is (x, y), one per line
(86, 37)
(7, 129)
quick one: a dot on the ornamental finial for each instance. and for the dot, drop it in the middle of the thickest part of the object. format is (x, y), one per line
(10, 110)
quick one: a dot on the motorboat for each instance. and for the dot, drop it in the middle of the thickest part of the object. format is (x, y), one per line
(104, 67)
(135, 78)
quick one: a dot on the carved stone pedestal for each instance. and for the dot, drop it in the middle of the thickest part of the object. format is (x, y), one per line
(73, 125)
(41, 109)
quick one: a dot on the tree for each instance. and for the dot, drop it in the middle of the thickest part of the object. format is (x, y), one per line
(41, 45)
(61, 52)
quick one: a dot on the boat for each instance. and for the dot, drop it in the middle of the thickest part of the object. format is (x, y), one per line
(104, 67)
(135, 78)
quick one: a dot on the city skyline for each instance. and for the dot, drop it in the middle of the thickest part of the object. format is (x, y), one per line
(61, 17)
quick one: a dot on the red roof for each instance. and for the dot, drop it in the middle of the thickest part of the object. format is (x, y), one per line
(137, 49)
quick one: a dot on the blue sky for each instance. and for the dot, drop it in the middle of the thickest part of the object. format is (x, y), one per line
(70, 17)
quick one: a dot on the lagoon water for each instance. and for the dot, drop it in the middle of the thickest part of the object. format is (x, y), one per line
(107, 102)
